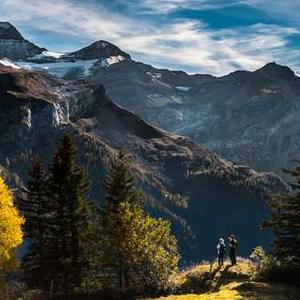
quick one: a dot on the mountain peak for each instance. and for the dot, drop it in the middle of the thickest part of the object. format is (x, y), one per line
(275, 70)
(9, 32)
(99, 49)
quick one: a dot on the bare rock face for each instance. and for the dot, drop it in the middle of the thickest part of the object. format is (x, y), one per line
(248, 117)
(203, 195)
(13, 45)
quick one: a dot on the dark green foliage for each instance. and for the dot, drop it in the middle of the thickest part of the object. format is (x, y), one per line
(140, 251)
(120, 183)
(63, 226)
(36, 208)
(285, 222)
(74, 217)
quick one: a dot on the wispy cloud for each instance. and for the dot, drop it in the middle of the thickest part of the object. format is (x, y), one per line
(185, 44)
(283, 9)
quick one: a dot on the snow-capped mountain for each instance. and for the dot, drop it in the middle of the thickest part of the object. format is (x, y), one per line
(249, 117)
(24, 54)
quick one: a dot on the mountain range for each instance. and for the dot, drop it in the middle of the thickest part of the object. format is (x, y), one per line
(114, 101)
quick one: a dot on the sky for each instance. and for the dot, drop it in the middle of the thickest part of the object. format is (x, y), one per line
(196, 36)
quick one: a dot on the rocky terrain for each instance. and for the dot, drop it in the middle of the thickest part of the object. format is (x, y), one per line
(251, 118)
(248, 117)
(216, 196)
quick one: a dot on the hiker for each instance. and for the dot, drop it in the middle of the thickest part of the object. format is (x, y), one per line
(233, 245)
(221, 251)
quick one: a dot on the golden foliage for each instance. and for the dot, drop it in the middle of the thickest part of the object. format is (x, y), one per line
(11, 222)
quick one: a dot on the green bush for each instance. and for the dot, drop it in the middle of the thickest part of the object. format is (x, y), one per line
(269, 268)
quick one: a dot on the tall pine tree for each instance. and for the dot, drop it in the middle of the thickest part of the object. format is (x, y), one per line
(285, 222)
(74, 217)
(139, 250)
(36, 208)
(62, 225)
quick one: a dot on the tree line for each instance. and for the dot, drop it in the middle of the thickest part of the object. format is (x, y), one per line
(76, 244)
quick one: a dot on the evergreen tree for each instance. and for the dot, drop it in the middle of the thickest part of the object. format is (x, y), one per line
(62, 225)
(75, 217)
(140, 251)
(285, 222)
(36, 208)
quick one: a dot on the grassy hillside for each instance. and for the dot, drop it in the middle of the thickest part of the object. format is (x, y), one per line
(205, 282)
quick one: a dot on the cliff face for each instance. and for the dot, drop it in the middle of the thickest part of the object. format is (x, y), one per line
(217, 196)
(248, 117)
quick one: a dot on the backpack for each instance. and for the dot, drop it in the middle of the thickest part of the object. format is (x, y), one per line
(221, 249)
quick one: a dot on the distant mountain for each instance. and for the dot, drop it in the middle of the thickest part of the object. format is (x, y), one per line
(248, 117)
(98, 50)
(37, 109)
(13, 45)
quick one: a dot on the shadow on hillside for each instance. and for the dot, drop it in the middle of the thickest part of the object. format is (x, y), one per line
(219, 280)
(260, 290)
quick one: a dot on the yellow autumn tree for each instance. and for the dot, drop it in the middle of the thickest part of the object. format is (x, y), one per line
(11, 235)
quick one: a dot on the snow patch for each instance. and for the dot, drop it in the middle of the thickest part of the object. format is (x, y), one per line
(106, 62)
(60, 68)
(8, 63)
(154, 75)
(183, 88)
(49, 54)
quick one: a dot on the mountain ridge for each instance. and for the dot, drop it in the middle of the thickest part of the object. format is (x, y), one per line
(36, 109)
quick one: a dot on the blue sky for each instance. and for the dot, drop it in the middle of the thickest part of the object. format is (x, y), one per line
(197, 36)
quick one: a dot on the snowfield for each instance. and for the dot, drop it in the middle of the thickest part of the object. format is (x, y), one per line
(49, 54)
(60, 68)
(8, 63)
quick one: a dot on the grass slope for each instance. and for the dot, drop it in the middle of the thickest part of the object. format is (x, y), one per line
(207, 282)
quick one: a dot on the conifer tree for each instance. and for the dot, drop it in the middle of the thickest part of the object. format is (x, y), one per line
(285, 221)
(140, 250)
(36, 208)
(74, 218)
(62, 225)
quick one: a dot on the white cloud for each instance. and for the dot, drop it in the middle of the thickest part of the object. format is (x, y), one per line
(166, 6)
(181, 44)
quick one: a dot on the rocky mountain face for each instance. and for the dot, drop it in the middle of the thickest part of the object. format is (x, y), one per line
(203, 195)
(13, 45)
(248, 117)
(251, 118)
